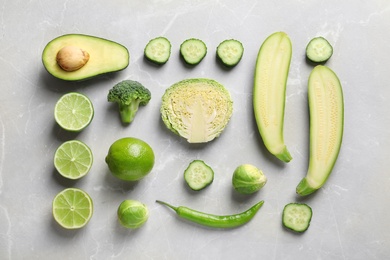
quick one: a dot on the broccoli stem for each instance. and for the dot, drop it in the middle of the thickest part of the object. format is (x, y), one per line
(128, 112)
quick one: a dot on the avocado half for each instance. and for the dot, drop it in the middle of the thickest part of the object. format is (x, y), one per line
(104, 56)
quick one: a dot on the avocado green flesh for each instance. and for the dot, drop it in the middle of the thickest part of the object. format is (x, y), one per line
(326, 107)
(105, 56)
(269, 92)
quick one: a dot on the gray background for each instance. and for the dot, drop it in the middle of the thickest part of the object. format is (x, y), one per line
(351, 212)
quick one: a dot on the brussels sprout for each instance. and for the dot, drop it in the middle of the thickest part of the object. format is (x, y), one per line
(248, 179)
(132, 213)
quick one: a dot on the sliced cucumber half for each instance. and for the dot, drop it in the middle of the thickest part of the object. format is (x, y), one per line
(269, 92)
(326, 107)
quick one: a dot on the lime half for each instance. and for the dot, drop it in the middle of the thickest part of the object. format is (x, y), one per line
(72, 208)
(73, 159)
(73, 111)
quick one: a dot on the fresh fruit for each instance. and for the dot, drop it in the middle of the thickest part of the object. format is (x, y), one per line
(196, 109)
(269, 92)
(326, 106)
(130, 159)
(132, 214)
(297, 216)
(78, 56)
(72, 208)
(73, 159)
(73, 111)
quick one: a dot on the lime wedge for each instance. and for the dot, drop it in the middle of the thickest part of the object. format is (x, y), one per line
(72, 208)
(73, 159)
(73, 111)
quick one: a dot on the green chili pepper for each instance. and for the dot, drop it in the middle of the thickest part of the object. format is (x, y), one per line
(215, 221)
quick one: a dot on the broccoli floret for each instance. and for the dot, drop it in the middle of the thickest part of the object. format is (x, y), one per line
(129, 95)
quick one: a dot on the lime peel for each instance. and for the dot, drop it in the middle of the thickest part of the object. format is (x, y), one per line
(130, 159)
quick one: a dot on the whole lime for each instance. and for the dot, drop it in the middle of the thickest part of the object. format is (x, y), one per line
(130, 159)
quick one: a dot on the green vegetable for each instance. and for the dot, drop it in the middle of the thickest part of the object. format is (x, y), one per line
(319, 50)
(230, 52)
(193, 51)
(129, 95)
(269, 92)
(158, 50)
(215, 221)
(248, 179)
(132, 214)
(326, 106)
(198, 175)
(297, 217)
(196, 109)
(76, 57)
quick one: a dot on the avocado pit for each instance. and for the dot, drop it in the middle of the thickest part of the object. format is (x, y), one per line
(72, 58)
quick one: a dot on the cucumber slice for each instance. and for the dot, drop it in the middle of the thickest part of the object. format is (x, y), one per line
(326, 106)
(269, 92)
(319, 50)
(198, 175)
(297, 216)
(193, 51)
(158, 50)
(230, 52)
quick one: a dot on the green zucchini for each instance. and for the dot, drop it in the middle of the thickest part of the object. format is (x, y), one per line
(326, 106)
(269, 92)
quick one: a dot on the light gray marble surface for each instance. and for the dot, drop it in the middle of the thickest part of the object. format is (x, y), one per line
(351, 212)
